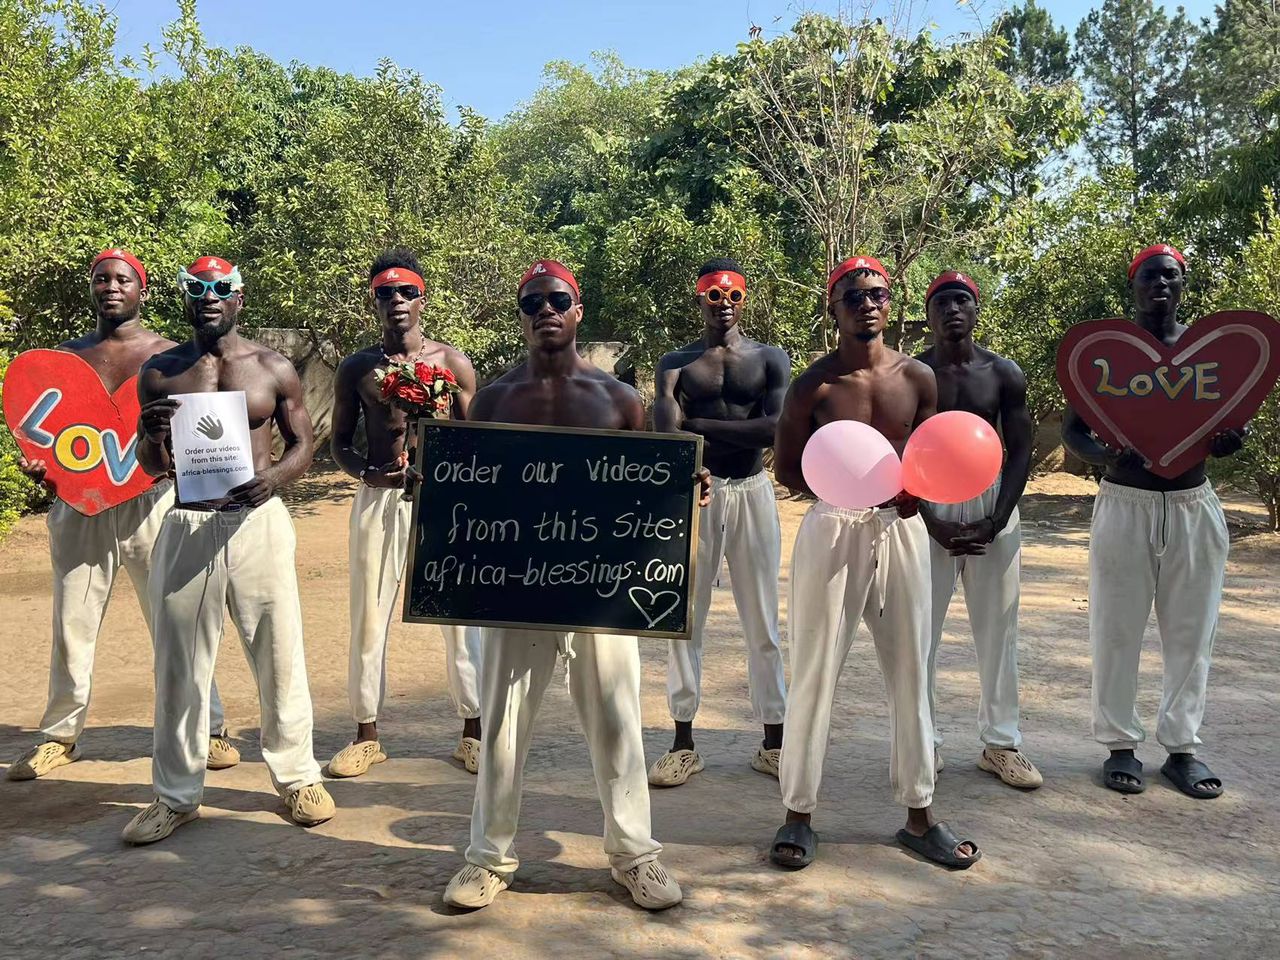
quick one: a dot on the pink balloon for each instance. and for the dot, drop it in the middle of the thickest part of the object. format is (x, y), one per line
(850, 464)
(951, 458)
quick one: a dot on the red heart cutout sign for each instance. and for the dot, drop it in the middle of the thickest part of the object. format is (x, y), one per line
(59, 411)
(1168, 402)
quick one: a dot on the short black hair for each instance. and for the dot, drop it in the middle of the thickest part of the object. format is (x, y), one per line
(395, 257)
(719, 264)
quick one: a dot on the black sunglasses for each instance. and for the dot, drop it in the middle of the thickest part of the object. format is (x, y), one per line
(877, 295)
(407, 291)
(531, 303)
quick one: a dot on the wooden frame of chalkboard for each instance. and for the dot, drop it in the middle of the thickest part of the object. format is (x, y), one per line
(420, 433)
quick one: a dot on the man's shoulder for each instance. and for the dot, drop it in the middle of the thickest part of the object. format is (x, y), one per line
(361, 362)
(928, 356)
(767, 351)
(1007, 370)
(818, 373)
(682, 355)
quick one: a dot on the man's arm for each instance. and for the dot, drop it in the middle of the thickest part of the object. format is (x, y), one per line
(294, 423)
(480, 409)
(346, 416)
(795, 426)
(154, 423)
(667, 415)
(926, 384)
(465, 374)
(755, 433)
(970, 539)
(1019, 437)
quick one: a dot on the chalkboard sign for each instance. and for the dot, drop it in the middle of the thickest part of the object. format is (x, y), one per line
(554, 528)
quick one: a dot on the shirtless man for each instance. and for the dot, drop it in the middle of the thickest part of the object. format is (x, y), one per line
(729, 390)
(980, 542)
(850, 565)
(381, 517)
(88, 552)
(556, 387)
(231, 555)
(1153, 540)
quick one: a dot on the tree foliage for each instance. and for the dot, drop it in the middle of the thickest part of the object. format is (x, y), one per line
(841, 135)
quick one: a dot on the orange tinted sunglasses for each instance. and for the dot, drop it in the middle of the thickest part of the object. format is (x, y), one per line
(734, 295)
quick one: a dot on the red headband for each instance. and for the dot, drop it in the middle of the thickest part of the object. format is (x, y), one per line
(211, 263)
(1157, 250)
(397, 275)
(119, 253)
(950, 277)
(855, 263)
(549, 268)
(728, 279)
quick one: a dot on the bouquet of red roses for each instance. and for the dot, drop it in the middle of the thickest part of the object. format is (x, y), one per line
(419, 389)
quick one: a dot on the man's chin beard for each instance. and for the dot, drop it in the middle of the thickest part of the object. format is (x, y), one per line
(868, 336)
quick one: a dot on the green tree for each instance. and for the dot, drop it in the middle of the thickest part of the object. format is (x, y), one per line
(1252, 282)
(1037, 55)
(1076, 270)
(1132, 57)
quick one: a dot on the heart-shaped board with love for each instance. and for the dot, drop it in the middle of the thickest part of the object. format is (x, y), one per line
(1168, 402)
(59, 411)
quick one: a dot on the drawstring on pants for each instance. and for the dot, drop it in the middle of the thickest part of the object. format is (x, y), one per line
(1160, 535)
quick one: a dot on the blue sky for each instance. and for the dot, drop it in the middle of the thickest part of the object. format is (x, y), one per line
(489, 54)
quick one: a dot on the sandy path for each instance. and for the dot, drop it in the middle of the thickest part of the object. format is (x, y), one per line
(1072, 870)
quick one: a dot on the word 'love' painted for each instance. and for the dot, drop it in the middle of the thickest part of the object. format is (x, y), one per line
(80, 447)
(1203, 375)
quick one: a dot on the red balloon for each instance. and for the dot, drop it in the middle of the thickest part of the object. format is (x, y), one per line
(951, 458)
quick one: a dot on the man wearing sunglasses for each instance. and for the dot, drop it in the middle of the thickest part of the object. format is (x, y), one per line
(556, 387)
(850, 565)
(381, 517)
(231, 555)
(980, 542)
(87, 553)
(729, 390)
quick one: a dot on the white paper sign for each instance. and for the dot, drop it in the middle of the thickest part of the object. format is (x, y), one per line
(212, 452)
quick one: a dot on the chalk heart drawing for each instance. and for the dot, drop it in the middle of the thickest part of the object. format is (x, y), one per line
(59, 411)
(1169, 402)
(647, 602)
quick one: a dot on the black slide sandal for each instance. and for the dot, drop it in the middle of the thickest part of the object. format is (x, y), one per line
(1127, 764)
(799, 835)
(1186, 773)
(939, 844)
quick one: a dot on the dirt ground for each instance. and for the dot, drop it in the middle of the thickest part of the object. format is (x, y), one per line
(1071, 870)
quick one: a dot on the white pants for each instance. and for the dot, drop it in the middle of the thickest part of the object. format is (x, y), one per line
(604, 682)
(87, 554)
(1170, 549)
(991, 587)
(740, 524)
(204, 564)
(378, 549)
(851, 565)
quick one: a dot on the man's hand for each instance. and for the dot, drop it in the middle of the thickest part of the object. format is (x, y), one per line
(255, 492)
(703, 476)
(942, 531)
(34, 470)
(908, 506)
(1126, 458)
(154, 420)
(391, 475)
(973, 538)
(1228, 442)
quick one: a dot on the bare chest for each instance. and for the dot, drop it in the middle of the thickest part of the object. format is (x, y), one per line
(887, 401)
(735, 379)
(973, 390)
